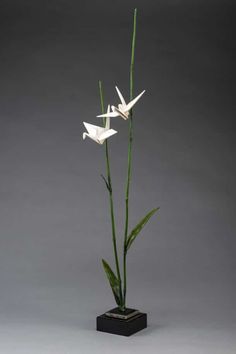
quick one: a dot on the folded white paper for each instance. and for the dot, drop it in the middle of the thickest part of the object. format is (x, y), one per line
(123, 108)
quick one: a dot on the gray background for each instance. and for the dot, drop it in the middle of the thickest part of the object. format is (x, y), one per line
(55, 225)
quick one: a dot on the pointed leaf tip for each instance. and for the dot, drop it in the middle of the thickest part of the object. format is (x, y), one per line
(134, 233)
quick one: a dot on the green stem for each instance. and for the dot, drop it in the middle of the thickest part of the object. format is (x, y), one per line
(110, 195)
(129, 158)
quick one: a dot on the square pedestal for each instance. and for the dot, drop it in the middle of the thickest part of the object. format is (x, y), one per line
(123, 327)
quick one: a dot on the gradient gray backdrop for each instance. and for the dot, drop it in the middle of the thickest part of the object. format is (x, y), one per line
(55, 225)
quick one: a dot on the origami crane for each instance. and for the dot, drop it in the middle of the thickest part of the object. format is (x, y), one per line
(123, 108)
(99, 134)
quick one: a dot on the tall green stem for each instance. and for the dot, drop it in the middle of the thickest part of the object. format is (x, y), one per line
(110, 195)
(129, 158)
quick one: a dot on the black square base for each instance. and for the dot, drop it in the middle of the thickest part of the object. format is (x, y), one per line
(122, 327)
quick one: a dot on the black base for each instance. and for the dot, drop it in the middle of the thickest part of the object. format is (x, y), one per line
(122, 327)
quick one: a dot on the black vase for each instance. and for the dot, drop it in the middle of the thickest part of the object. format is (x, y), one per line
(123, 323)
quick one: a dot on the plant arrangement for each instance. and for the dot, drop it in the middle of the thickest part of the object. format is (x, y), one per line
(100, 135)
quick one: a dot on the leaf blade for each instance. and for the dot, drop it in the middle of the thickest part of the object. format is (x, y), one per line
(113, 281)
(134, 233)
(108, 185)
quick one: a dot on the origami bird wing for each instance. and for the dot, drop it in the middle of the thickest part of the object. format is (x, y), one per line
(106, 134)
(132, 103)
(91, 129)
(111, 114)
(121, 97)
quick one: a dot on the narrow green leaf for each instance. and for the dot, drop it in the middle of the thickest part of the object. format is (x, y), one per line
(114, 282)
(107, 183)
(134, 233)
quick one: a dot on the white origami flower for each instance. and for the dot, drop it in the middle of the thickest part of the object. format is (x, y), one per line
(99, 134)
(123, 108)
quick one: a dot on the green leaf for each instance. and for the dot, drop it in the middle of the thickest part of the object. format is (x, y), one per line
(134, 233)
(114, 282)
(108, 185)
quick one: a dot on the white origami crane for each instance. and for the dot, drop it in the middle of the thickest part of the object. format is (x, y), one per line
(99, 134)
(123, 108)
